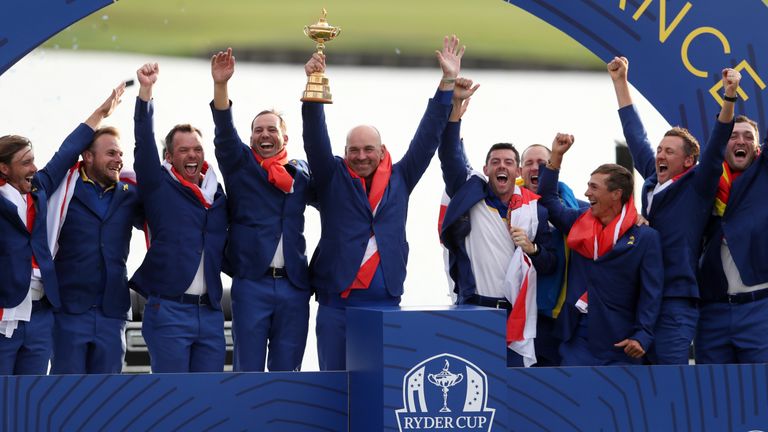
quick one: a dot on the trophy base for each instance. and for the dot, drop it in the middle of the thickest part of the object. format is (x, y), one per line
(317, 89)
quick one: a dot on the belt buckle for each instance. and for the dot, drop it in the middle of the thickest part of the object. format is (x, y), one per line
(500, 304)
(200, 300)
(275, 275)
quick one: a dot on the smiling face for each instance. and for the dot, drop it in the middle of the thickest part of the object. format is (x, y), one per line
(104, 160)
(502, 170)
(532, 157)
(20, 170)
(742, 146)
(604, 203)
(364, 151)
(186, 155)
(671, 159)
(268, 136)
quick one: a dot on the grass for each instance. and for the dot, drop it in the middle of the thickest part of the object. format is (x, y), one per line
(489, 28)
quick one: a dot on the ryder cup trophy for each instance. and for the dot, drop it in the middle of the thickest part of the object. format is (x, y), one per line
(317, 89)
(445, 380)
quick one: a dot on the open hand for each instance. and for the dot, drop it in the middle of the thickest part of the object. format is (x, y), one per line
(222, 66)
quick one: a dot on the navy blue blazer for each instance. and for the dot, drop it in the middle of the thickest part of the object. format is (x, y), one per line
(624, 285)
(346, 217)
(258, 211)
(99, 245)
(681, 211)
(464, 194)
(181, 227)
(744, 226)
(16, 243)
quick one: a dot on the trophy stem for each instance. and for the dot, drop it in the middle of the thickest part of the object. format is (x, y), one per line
(445, 401)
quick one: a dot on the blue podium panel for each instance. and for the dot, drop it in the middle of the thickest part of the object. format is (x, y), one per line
(439, 368)
(164, 402)
(709, 398)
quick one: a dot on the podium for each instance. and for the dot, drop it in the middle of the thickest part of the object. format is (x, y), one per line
(427, 368)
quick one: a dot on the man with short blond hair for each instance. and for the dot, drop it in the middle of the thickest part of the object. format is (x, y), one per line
(677, 200)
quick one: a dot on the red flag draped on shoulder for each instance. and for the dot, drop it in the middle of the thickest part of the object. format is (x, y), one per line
(371, 257)
(592, 240)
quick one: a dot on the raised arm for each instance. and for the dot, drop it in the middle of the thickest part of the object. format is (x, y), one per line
(229, 147)
(561, 216)
(713, 153)
(634, 132)
(317, 143)
(430, 130)
(146, 159)
(51, 176)
(453, 159)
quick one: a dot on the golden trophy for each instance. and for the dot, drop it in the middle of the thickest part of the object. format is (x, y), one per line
(317, 89)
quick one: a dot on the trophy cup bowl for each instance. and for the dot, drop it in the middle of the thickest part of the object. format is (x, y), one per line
(445, 380)
(317, 88)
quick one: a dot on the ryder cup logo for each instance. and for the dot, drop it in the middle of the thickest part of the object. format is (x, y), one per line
(446, 393)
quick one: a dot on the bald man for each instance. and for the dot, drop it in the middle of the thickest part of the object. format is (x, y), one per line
(363, 201)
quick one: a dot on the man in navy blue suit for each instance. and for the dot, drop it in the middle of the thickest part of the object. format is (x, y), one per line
(28, 282)
(615, 274)
(266, 250)
(677, 199)
(186, 212)
(91, 220)
(363, 200)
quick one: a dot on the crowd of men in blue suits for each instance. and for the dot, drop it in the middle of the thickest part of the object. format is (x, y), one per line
(583, 282)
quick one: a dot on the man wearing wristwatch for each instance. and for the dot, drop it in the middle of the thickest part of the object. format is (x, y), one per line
(497, 234)
(677, 199)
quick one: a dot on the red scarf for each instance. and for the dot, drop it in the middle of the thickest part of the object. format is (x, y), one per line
(193, 187)
(378, 186)
(724, 188)
(275, 167)
(31, 213)
(587, 232)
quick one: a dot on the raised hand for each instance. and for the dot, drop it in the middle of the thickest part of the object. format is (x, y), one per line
(618, 68)
(315, 64)
(107, 107)
(462, 92)
(147, 76)
(562, 143)
(222, 66)
(731, 80)
(450, 57)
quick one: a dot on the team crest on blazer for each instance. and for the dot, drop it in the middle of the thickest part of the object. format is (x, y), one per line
(445, 392)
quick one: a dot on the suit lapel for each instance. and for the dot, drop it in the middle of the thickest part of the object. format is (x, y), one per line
(9, 211)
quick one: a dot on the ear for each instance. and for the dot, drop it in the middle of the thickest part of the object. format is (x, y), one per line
(285, 140)
(616, 195)
(486, 171)
(4, 169)
(87, 156)
(383, 150)
(688, 162)
(168, 157)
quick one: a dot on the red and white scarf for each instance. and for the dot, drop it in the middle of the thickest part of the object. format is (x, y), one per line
(590, 239)
(276, 172)
(25, 207)
(371, 258)
(206, 192)
(520, 278)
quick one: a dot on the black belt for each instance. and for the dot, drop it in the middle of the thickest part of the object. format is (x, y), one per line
(42, 304)
(189, 299)
(492, 302)
(277, 272)
(747, 297)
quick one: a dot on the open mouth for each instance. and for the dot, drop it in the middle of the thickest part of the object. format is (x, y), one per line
(663, 168)
(534, 179)
(502, 178)
(28, 180)
(740, 153)
(190, 168)
(266, 146)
